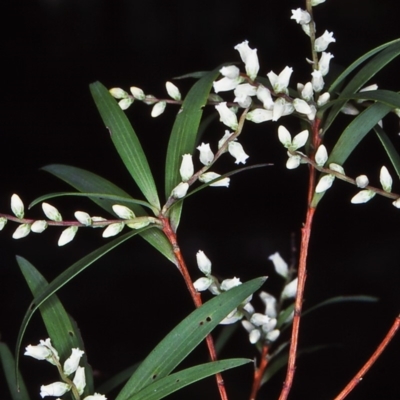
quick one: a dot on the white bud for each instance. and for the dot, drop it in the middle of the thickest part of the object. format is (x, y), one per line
(321, 156)
(273, 335)
(202, 284)
(180, 191)
(290, 290)
(301, 106)
(67, 235)
(210, 176)
(386, 180)
(301, 16)
(230, 283)
(80, 379)
(139, 223)
(206, 155)
(280, 264)
(323, 99)
(264, 95)
(323, 63)
(123, 212)
(39, 226)
(158, 109)
(22, 231)
(259, 319)
(363, 196)
(83, 218)
(259, 115)
(293, 161)
(137, 93)
(284, 136)
(113, 229)
(124, 104)
(316, 2)
(187, 169)
(17, 206)
(337, 168)
(324, 183)
(250, 59)
(3, 222)
(362, 181)
(226, 136)
(317, 81)
(173, 91)
(396, 203)
(299, 140)
(118, 93)
(307, 92)
(203, 262)
(231, 71)
(51, 212)
(270, 304)
(254, 336)
(227, 116)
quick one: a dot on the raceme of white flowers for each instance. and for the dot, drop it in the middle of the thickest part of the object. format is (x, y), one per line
(45, 351)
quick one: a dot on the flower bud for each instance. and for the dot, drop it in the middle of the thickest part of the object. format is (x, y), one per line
(321, 156)
(158, 109)
(39, 226)
(230, 283)
(280, 264)
(3, 222)
(51, 212)
(137, 93)
(250, 59)
(301, 106)
(187, 169)
(386, 180)
(80, 379)
(227, 116)
(324, 183)
(22, 231)
(173, 91)
(301, 16)
(67, 235)
(17, 206)
(180, 191)
(124, 104)
(362, 181)
(210, 176)
(206, 155)
(113, 229)
(202, 284)
(123, 211)
(290, 290)
(54, 389)
(118, 93)
(203, 262)
(363, 196)
(83, 218)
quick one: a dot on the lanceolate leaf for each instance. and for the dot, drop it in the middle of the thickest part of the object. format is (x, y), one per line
(86, 181)
(176, 346)
(126, 142)
(389, 147)
(61, 329)
(184, 133)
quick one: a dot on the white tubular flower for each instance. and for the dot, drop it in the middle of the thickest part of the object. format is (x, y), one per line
(123, 212)
(301, 16)
(362, 181)
(290, 289)
(324, 183)
(259, 115)
(281, 82)
(250, 59)
(51, 212)
(316, 2)
(187, 169)
(231, 71)
(173, 91)
(230, 283)
(307, 92)
(386, 180)
(323, 63)
(3, 222)
(264, 95)
(363, 196)
(236, 150)
(80, 379)
(71, 364)
(280, 264)
(281, 108)
(206, 155)
(321, 43)
(227, 116)
(40, 352)
(17, 206)
(113, 229)
(158, 109)
(301, 106)
(323, 99)
(321, 156)
(39, 226)
(210, 176)
(270, 304)
(96, 396)
(225, 84)
(180, 191)
(54, 389)
(22, 231)
(243, 94)
(137, 93)
(317, 81)
(67, 235)
(202, 284)
(124, 104)
(118, 93)
(203, 262)
(83, 218)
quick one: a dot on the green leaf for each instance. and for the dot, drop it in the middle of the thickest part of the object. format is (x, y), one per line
(176, 346)
(178, 380)
(63, 279)
(86, 181)
(126, 142)
(183, 135)
(352, 136)
(63, 332)
(386, 53)
(390, 149)
(8, 364)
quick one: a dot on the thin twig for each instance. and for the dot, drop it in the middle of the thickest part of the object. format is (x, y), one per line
(359, 376)
(259, 372)
(169, 232)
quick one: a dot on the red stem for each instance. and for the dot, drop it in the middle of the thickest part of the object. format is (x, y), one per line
(259, 372)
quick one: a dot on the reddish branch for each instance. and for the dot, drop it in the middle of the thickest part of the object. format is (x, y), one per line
(193, 293)
(259, 372)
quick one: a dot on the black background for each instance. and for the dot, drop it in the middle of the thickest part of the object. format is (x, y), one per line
(126, 302)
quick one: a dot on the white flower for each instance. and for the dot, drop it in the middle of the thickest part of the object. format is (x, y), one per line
(113, 229)
(323, 63)
(180, 191)
(224, 138)
(259, 115)
(323, 99)
(225, 84)
(273, 335)
(187, 169)
(137, 93)
(118, 93)
(206, 155)
(290, 290)
(51, 212)
(232, 317)
(202, 284)
(40, 352)
(317, 81)
(80, 379)
(71, 364)
(230, 283)
(321, 43)
(243, 94)
(324, 183)
(210, 176)
(158, 109)
(203, 262)
(270, 304)
(363, 196)
(301, 16)
(22, 231)
(281, 108)
(259, 319)
(96, 396)
(83, 218)
(362, 181)
(301, 106)
(337, 168)
(281, 82)
(123, 212)
(3, 222)
(293, 161)
(321, 156)
(125, 103)
(173, 91)
(286, 139)
(250, 59)
(17, 206)
(236, 150)
(307, 91)
(264, 95)
(386, 180)
(54, 389)
(396, 203)
(254, 336)
(67, 235)
(280, 264)
(39, 226)
(227, 116)
(231, 71)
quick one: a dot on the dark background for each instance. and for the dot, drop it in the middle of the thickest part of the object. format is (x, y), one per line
(126, 302)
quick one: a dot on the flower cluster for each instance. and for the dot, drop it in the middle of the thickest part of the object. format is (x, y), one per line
(45, 351)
